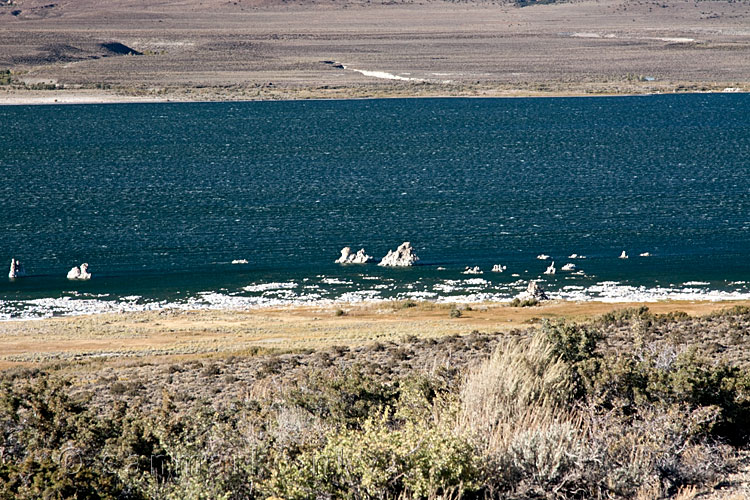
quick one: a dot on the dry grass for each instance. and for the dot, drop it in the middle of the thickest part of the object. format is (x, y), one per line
(519, 387)
(506, 395)
(165, 335)
(515, 405)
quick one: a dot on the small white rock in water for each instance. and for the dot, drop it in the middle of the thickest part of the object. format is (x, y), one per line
(441, 268)
(403, 256)
(576, 256)
(645, 254)
(623, 255)
(542, 256)
(80, 273)
(498, 268)
(16, 269)
(568, 267)
(551, 269)
(534, 291)
(472, 270)
(239, 261)
(349, 257)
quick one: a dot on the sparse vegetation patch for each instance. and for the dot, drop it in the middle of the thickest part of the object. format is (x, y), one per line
(559, 411)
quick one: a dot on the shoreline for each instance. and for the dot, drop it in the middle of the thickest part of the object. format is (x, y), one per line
(172, 334)
(74, 97)
(67, 306)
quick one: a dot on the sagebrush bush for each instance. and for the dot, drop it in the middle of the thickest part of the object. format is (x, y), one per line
(549, 415)
(412, 460)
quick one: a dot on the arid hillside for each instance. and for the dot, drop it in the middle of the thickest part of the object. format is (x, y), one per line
(242, 49)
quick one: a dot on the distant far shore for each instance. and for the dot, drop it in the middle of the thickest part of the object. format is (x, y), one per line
(96, 52)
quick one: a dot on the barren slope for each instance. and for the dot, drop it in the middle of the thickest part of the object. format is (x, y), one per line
(208, 49)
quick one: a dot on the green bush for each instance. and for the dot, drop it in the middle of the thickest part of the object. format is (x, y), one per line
(524, 303)
(620, 317)
(345, 397)
(50, 442)
(545, 416)
(629, 385)
(574, 343)
(413, 460)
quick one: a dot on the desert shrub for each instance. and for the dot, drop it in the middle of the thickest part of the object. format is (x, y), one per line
(542, 457)
(416, 458)
(629, 385)
(572, 342)
(118, 388)
(620, 317)
(576, 345)
(400, 353)
(551, 417)
(517, 406)
(742, 311)
(658, 452)
(419, 396)
(49, 442)
(516, 302)
(672, 317)
(342, 397)
(210, 454)
(271, 366)
(211, 370)
(545, 416)
(500, 392)
(455, 312)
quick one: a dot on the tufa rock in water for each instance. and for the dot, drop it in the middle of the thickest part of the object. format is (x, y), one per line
(348, 257)
(551, 269)
(16, 269)
(534, 291)
(403, 256)
(542, 256)
(472, 270)
(623, 255)
(80, 273)
(498, 268)
(569, 267)
(645, 254)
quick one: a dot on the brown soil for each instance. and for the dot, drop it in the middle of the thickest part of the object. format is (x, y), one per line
(208, 49)
(168, 335)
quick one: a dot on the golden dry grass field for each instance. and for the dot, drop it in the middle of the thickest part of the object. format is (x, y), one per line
(171, 334)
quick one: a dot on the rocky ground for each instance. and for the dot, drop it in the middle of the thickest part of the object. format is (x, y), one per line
(90, 50)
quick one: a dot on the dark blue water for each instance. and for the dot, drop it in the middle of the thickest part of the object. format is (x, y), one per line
(160, 198)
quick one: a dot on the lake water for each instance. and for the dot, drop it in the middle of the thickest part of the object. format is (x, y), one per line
(160, 198)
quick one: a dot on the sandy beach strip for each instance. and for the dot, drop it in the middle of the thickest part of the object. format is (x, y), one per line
(68, 96)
